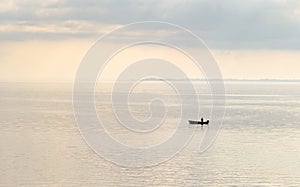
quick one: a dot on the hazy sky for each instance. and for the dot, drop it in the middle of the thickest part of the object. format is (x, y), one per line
(46, 40)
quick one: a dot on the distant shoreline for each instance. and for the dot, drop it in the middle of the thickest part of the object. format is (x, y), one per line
(232, 80)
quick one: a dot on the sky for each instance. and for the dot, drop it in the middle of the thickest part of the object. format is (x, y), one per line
(250, 39)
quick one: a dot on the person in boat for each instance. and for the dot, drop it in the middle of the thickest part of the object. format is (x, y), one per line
(201, 122)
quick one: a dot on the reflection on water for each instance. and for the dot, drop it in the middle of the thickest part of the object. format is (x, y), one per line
(258, 145)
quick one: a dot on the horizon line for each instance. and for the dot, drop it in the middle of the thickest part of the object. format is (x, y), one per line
(173, 79)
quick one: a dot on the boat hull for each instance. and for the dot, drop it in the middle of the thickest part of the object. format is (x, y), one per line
(198, 122)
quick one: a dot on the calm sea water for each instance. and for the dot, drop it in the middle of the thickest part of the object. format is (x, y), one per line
(258, 145)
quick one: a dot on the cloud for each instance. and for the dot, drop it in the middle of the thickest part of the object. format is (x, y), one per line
(231, 24)
(21, 30)
(242, 24)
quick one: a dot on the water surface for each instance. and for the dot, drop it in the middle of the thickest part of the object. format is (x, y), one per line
(258, 145)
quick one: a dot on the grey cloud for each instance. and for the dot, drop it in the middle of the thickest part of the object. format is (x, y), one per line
(265, 24)
(243, 24)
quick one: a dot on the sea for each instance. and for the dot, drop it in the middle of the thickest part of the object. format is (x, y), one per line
(258, 143)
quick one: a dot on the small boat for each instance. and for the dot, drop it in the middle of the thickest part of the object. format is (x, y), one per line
(199, 122)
